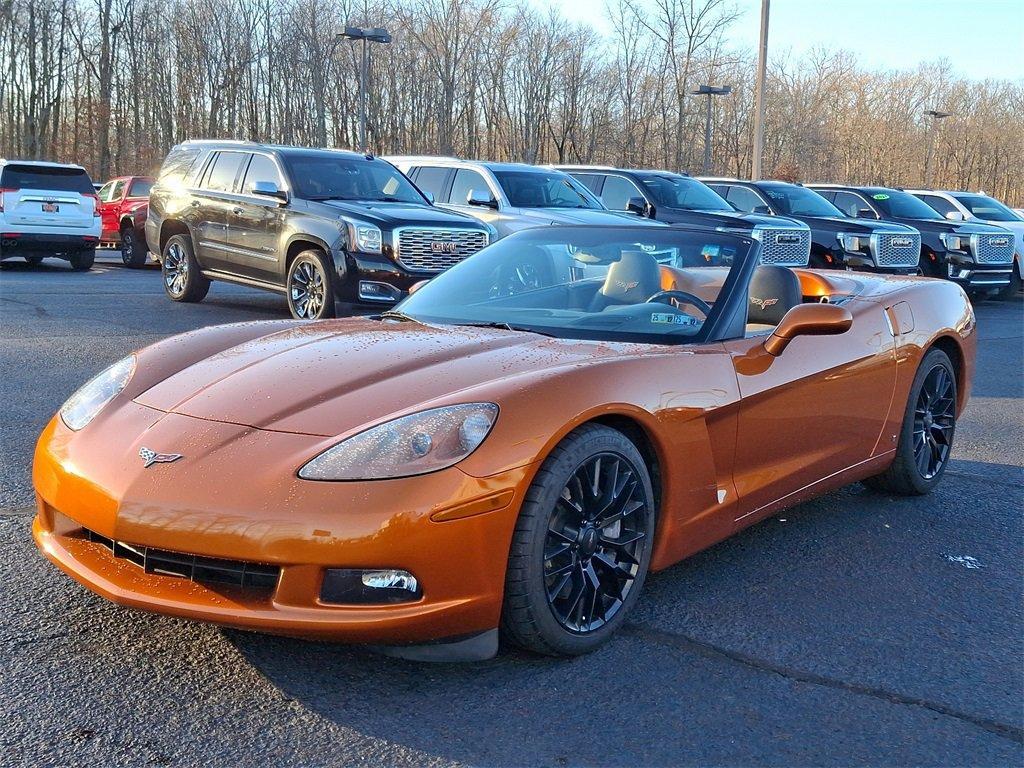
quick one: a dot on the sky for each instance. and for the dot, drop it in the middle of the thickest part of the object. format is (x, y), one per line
(981, 38)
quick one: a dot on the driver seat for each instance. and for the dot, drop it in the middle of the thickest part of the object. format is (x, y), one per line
(633, 279)
(774, 291)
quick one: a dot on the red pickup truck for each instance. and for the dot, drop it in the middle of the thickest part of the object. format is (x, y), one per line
(124, 204)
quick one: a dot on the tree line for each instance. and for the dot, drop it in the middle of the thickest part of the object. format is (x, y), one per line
(113, 84)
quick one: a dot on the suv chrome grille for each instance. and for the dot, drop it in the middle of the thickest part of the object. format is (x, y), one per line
(786, 247)
(435, 249)
(896, 249)
(992, 249)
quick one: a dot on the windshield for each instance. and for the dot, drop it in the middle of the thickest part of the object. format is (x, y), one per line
(324, 176)
(602, 283)
(791, 200)
(984, 207)
(901, 205)
(673, 191)
(540, 189)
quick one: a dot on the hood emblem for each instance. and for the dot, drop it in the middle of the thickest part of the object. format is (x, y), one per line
(787, 239)
(152, 457)
(443, 246)
(901, 242)
(763, 303)
(998, 242)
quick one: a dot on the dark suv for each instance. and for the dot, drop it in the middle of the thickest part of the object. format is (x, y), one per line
(838, 241)
(318, 225)
(979, 257)
(674, 198)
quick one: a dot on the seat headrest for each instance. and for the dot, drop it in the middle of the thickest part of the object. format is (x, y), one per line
(633, 279)
(773, 292)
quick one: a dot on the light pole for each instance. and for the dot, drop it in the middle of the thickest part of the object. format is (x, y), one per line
(709, 91)
(935, 115)
(374, 35)
(762, 67)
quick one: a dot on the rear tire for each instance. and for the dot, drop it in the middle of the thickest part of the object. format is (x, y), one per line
(82, 261)
(926, 438)
(180, 271)
(310, 287)
(578, 558)
(133, 250)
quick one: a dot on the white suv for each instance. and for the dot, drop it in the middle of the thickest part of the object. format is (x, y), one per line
(48, 209)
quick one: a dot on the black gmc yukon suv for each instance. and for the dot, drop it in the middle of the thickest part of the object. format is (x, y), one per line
(674, 198)
(838, 241)
(318, 225)
(979, 257)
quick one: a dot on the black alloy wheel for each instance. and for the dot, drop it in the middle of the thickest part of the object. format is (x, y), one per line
(582, 544)
(132, 252)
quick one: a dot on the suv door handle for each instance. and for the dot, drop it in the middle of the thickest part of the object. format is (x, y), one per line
(195, 203)
(236, 211)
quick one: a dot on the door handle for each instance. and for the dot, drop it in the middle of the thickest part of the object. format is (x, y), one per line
(195, 203)
(236, 211)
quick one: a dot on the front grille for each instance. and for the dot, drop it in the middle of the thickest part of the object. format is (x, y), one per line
(896, 249)
(435, 249)
(992, 249)
(205, 570)
(784, 247)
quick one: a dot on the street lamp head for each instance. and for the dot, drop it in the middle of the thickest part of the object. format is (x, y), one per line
(713, 90)
(937, 114)
(374, 34)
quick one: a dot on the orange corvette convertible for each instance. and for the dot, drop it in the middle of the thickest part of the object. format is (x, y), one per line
(511, 450)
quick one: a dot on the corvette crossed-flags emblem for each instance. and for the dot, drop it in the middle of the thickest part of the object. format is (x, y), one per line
(152, 457)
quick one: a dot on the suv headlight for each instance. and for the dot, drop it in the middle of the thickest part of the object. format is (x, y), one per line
(366, 238)
(82, 407)
(954, 242)
(411, 445)
(853, 243)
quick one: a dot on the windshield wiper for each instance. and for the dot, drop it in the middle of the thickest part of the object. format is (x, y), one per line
(507, 327)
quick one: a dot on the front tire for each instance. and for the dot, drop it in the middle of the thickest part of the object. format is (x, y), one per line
(310, 287)
(1013, 289)
(581, 546)
(133, 250)
(82, 261)
(926, 438)
(34, 261)
(181, 276)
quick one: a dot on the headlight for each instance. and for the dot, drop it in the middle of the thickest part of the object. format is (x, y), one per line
(853, 243)
(365, 237)
(89, 400)
(411, 445)
(954, 242)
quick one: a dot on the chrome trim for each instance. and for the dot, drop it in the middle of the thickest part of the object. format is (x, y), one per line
(236, 250)
(433, 262)
(789, 254)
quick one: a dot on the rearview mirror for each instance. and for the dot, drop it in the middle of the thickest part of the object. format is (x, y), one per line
(762, 209)
(808, 320)
(955, 216)
(865, 213)
(637, 205)
(481, 198)
(268, 189)
(429, 196)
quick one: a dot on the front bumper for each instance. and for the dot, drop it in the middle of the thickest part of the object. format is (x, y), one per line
(234, 500)
(864, 263)
(45, 243)
(979, 277)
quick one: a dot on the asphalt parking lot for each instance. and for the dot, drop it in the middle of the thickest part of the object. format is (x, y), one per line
(857, 629)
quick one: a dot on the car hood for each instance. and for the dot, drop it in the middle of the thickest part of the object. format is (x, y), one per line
(390, 215)
(718, 218)
(852, 225)
(942, 225)
(543, 216)
(331, 377)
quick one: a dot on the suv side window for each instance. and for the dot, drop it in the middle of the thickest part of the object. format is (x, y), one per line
(261, 168)
(849, 203)
(940, 204)
(223, 171)
(591, 181)
(432, 179)
(744, 199)
(617, 191)
(177, 164)
(465, 182)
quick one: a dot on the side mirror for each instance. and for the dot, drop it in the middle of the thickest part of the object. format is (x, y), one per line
(429, 196)
(269, 189)
(416, 286)
(481, 198)
(762, 209)
(955, 216)
(637, 205)
(808, 320)
(865, 213)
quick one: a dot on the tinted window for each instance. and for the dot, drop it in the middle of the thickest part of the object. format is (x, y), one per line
(744, 199)
(940, 204)
(334, 176)
(178, 164)
(140, 188)
(545, 189)
(591, 181)
(791, 200)
(52, 179)
(689, 194)
(118, 192)
(105, 192)
(851, 204)
(221, 177)
(900, 205)
(261, 168)
(432, 179)
(985, 207)
(617, 191)
(467, 181)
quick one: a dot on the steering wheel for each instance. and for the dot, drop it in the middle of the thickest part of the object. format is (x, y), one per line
(681, 296)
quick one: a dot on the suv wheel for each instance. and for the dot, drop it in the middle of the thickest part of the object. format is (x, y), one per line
(133, 252)
(310, 287)
(182, 279)
(34, 261)
(82, 261)
(1014, 287)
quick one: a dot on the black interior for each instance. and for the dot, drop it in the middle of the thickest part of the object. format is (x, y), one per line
(773, 292)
